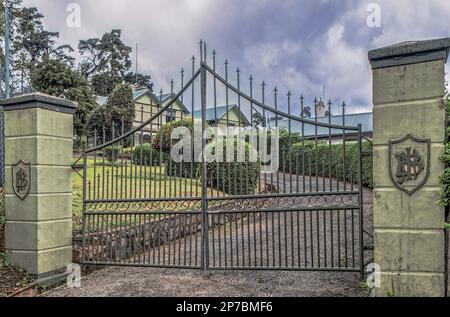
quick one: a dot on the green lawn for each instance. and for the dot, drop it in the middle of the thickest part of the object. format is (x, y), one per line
(125, 183)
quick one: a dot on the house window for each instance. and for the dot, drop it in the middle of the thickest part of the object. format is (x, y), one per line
(170, 115)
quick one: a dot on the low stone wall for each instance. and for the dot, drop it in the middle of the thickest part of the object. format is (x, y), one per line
(122, 243)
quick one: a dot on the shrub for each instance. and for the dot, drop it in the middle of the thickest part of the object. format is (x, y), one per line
(162, 138)
(284, 140)
(234, 178)
(445, 178)
(292, 161)
(109, 153)
(150, 156)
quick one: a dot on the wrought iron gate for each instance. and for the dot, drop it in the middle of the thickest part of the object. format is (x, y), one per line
(141, 207)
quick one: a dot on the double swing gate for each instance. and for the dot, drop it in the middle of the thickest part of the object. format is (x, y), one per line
(143, 207)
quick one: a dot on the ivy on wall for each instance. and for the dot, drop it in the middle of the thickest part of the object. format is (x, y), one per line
(445, 178)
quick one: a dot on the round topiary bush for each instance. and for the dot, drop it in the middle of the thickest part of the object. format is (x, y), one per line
(239, 177)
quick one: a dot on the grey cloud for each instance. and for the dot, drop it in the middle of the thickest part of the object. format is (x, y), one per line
(295, 44)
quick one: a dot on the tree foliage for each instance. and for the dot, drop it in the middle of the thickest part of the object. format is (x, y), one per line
(445, 178)
(118, 112)
(55, 78)
(139, 80)
(31, 43)
(37, 60)
(106, 61)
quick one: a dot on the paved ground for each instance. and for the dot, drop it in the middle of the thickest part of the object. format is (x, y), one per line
(270, 239)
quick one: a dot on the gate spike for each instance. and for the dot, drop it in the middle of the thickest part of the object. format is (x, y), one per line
(226, 70)
(289, 94)
(329, 108)
(204, 51)
(302, 107)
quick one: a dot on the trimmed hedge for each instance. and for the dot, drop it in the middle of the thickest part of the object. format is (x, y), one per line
(109, 153)
(233, 178)
(291, 161)
(162, 137)
(149, 155)
(162, 140)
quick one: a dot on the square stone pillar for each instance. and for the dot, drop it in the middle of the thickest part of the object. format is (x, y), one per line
(409, 133)
(38, 182)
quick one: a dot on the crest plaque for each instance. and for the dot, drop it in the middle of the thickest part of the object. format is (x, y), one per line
(409, 163)
(21, 173)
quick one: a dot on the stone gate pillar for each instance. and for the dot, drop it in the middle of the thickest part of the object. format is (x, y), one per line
(38, 182)
(409, 132)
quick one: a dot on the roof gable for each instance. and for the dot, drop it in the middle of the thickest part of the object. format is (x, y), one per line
(219, 113)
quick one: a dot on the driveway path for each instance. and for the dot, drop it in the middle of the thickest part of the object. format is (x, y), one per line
(148, 282)
(134, 281)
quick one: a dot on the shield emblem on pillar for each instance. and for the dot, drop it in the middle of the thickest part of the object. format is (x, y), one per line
(21, 174)
(409, 163)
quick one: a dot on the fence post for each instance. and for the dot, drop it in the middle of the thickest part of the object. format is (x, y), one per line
(409, 132)
(38, 182)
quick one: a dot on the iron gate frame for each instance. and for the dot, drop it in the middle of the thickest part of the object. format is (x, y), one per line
(204, 210)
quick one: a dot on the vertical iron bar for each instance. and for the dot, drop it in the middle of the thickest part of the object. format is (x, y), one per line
(361, 210)
(204, 244)
(303, 142)
(83, 248)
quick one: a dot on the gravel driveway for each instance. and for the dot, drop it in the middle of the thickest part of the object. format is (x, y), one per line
(148, 282)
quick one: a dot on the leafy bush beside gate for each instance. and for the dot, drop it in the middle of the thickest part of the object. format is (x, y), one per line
(162, 137)
(233, 178)
(109, 150)
(445, 178)
(292, 161)
(150, 156)
(162, 140)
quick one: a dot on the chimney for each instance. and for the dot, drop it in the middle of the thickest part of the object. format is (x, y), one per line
(320, 108)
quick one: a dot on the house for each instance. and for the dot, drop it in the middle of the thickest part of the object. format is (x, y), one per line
(223, 116)
(148, 104)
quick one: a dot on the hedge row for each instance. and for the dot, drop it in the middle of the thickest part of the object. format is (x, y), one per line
(304, 158)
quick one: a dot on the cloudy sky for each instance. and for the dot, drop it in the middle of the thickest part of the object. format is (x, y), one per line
(302, 45)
